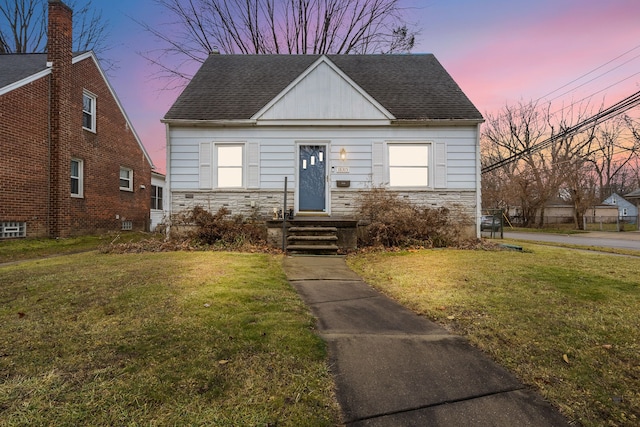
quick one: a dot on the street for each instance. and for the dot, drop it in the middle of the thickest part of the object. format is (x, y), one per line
(618, 240)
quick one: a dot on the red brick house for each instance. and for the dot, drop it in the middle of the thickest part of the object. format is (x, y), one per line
(71, 161)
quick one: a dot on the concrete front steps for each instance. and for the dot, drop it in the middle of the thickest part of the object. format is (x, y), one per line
(312, 240)
(314, 235)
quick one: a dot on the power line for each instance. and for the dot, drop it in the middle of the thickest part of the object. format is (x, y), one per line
(595, 78)
(595, 93)
(593, 71)
(616, 109)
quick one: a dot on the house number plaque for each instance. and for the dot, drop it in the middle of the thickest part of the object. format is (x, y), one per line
(342, 169)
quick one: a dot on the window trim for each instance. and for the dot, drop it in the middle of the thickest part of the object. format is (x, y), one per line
(216, 167)
(80, 178)
(130, 187)
(155, 189)
(91, 113)
(429, 166)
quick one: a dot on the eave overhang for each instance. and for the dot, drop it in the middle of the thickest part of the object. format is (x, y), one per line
(316, 123)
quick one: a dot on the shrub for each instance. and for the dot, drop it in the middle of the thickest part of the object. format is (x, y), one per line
(395, 222)
(220, 228)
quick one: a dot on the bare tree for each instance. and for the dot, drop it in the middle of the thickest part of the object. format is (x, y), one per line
(198, 28)
(23, 26)
(616, 145)
(541, 156)
(532, 180)
(574, 172)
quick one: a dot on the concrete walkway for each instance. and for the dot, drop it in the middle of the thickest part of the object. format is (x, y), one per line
(394, 368)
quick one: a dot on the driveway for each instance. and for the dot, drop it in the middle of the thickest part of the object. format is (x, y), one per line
(621, 240)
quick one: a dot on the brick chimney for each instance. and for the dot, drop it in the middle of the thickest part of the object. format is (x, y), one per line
(60, 55)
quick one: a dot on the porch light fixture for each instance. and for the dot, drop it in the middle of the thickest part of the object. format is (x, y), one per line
(343, 154)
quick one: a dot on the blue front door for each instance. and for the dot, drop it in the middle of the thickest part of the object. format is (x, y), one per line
(312, 163)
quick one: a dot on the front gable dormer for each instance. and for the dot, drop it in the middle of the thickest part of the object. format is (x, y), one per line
(323, 94)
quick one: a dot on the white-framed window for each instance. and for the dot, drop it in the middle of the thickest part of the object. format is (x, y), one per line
(88, 111)
(127, 225)
(229, 165)
(126, 179)
(156, 197)
(408, 164)
(77, 178)
(625, 212)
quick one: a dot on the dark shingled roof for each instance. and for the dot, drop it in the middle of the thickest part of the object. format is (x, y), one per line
(235, 87)
(633, 195)
(15, 67)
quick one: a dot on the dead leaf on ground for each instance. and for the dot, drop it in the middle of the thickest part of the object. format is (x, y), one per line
(565, 358)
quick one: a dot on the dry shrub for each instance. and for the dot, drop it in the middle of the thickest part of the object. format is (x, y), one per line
(149, 245)
(219, 231)
(395, 222)
(222, 229)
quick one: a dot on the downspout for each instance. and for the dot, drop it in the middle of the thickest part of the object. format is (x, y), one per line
(478, 182)
(167, 182)
(48, 224)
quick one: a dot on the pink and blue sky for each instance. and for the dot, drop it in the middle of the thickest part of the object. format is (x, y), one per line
(499, 51)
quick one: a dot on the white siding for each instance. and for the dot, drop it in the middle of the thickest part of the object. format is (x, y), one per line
(271, 155)
(278, 150)
(314, 97)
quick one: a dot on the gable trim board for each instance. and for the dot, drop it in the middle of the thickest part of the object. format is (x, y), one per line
(25, 81)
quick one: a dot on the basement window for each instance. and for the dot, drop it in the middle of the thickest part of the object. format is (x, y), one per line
(127, 225)
(12, 229)
(89, 111)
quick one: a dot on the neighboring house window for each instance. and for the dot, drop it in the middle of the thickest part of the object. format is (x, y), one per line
(77, 181)
(408, 165)
(89, 111)
(156, 197)
(624, 212)
(229, 166)
(127, 225)
(126, 179)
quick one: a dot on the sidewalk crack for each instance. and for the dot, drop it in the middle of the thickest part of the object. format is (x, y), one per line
(435, 405)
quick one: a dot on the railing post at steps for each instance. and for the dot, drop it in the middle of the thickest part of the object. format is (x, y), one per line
(284, 218)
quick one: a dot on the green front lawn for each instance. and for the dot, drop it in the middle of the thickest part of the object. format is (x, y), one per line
(20, 249)
(177, 338)
(564, 321)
